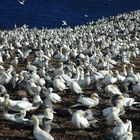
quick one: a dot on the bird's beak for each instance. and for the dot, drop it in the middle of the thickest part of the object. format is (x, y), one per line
(54, 112)
(99, 98)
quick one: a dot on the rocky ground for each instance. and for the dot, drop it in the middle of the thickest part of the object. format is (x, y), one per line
(62, 128)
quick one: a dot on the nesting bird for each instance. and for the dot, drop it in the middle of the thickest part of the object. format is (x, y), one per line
(75, 87)
(87, 101)
(79, 121)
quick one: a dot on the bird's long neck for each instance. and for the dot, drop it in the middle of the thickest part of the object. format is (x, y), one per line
(118, 121)
(77, 74)
(129, 126)
(5, 110)
(36, 124)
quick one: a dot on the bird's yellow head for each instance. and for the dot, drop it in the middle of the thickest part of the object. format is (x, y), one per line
(120, 97)
(129, 134)
(95, 95)
(34, 118)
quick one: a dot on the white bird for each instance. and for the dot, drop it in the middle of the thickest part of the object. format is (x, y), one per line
(87, 101)
(37, 99)
(109, 110)
(21, 2)
(112, 117)
(127, 101)
(120, 78)
(53, 96)
(59, 84)
(48, 113)
(85, 15)
(39, 134)
(111, 90)
(78, 119)
(18, 105)
(109, 79)
(15, 117)
(64, 23)
(30, 67)
(122, 128)
(124, 72)
(127, 136)
(1, 101)
(75, 87)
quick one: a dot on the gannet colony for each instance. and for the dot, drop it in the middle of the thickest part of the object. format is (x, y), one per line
(78, 83)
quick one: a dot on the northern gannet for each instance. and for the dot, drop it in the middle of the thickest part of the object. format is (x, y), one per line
(53, 96)
(64, 22)
(127, 101)
(21, 2)
(78, 119)
(15, 117)
(75, 87)
(122, 128)
(18, 105)
(40, 134)
(111, 90)
(88, 101)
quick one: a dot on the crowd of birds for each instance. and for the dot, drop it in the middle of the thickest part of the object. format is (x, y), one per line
(43, 66)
